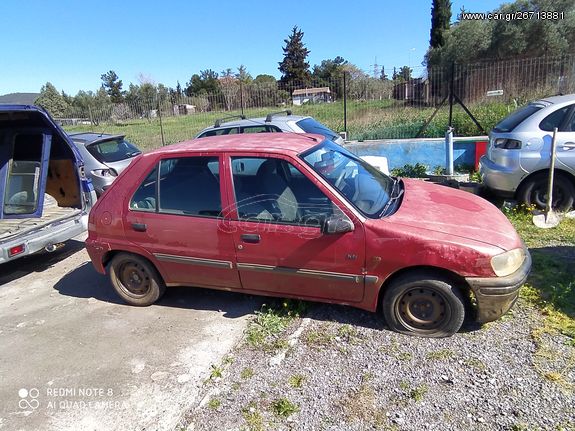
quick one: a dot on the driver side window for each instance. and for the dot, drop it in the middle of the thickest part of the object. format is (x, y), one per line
(274, 191)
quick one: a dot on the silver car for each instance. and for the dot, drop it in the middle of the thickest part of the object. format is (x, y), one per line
(105, 156)
(283, 121)
(518, 157)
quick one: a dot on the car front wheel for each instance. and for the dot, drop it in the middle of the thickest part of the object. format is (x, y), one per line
(423, 305)
(136, 280)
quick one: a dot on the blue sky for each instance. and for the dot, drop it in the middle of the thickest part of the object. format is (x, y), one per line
(72, 42)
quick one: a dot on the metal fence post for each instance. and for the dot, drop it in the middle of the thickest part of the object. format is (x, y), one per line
(161, 125)
(451, 90)
(345, 106)
(242, 97)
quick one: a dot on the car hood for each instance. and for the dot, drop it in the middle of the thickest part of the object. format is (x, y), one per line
(454, 212)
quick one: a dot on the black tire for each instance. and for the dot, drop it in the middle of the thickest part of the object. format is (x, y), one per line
(422, 304)
(135, 279)
(534, 192)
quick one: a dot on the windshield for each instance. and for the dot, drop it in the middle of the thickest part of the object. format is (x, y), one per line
(309, 125)
(513, 120)
(366, 188)
(113, 150)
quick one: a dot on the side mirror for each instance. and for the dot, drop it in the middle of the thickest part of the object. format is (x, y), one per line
(336, 224)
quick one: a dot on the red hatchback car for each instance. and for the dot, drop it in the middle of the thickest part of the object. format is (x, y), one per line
(298, 216)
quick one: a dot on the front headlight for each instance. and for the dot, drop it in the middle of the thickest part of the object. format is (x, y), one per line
(507, 263)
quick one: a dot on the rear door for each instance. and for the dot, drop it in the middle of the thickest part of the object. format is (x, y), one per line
(275, 224)
(175, 215)
(565, 149)
(24, 157)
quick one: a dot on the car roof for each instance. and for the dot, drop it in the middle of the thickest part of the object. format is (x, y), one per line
(92, 137)
(558, 99)
(273, 143)
(258, 121)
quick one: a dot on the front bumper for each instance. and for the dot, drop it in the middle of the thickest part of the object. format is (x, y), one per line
(496, 295)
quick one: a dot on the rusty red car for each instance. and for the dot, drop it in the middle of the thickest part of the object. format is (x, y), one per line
(298, 216)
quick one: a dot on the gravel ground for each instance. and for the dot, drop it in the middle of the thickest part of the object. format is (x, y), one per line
(343, 370)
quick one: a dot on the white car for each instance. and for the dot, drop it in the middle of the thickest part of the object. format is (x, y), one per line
(283, 121)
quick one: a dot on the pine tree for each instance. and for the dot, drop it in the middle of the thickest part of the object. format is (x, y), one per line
(294, 68)
(440, 18)
(51, 100)
(113, 86)
(383, 76)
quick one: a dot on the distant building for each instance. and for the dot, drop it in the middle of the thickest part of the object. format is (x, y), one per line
(313, 95)
(184, 109)
(412, 91)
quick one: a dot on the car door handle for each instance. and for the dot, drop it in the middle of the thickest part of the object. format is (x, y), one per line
(139, 227)
(251, 238)
(569, 146)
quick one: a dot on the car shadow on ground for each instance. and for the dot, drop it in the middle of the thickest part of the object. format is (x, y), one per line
(85, 282)
(553, 275)
(347, 315)
(38, 262)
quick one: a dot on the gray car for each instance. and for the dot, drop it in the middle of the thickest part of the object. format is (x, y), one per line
(518, 156)
(105, 156)
(283, 121)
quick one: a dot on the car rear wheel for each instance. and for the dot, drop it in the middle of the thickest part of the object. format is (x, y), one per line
(423, 305)
(136, 280)
(534, 192)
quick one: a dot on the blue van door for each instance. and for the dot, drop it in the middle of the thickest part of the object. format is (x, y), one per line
(24, 157)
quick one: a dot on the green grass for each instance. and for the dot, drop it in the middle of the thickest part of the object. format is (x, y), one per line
(284, 408)
(296, 381)
(378, 119)
(440, 355)
(551, 284)
(265, 329)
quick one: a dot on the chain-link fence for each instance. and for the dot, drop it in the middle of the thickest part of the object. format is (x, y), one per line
(364, 106)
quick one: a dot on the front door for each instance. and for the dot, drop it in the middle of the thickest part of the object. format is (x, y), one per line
(175, 214)
(280, 248)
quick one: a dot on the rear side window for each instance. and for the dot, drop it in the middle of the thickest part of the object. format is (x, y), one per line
(260, 129)
(218, 132)
(145, 197)
(554, 119)
(187, 186)
(309, 125)
(513, 120)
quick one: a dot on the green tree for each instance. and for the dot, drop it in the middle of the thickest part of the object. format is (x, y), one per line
(330, 74)
(113, 86)
(474, 41)
(243, 75)
(51, 100)
(383, 76)
(205, 83)
(294, 68)
(440, 20)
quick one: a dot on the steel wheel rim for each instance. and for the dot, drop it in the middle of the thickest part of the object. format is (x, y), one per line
(539, 196)
(134, 279)
(422, 309)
